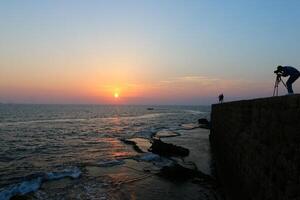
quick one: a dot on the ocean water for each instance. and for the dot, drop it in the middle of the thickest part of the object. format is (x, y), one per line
(41, 143)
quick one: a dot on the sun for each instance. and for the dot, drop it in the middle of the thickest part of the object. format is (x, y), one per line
(116, 95)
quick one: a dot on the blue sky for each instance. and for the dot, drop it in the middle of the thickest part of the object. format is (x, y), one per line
(240, 42)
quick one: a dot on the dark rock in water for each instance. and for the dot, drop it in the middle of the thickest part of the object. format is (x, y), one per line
(128, 141)
(150, 108)
(204, 123)
(140, 145)
(164, 149)
(177, 172)
(135, 147)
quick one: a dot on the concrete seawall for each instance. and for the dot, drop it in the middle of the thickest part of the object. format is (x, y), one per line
(256, 145)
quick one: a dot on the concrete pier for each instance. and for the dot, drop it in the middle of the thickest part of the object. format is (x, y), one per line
(256, 145)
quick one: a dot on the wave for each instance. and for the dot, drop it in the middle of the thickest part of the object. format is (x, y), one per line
(157, 160)
(71, 172)
(20, 188)
(110, 163)
(196, 112)
(40, 121)
(145, 116)
(149, 157)
(34, 184)
(166, 133)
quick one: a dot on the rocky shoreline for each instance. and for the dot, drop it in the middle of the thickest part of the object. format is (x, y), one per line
(183, 166)
(173, 164)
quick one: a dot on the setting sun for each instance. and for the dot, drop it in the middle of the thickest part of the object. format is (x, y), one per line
(116, 95)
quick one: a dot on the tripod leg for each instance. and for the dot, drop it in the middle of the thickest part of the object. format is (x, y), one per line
(275, 88)
(275, 92)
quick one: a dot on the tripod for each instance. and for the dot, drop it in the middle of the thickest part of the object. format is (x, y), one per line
(277, 81)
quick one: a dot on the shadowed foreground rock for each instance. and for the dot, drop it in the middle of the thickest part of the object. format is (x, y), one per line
(177, 172)
(164, 149)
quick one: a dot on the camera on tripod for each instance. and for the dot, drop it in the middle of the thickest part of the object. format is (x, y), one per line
(278, 72)
(277, 81)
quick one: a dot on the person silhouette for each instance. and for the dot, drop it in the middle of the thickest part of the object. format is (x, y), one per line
(288, 71)
(221, 98)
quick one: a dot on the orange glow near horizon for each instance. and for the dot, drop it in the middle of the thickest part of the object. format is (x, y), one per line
(112, 88)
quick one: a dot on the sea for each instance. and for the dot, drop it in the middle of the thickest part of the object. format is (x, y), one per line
(76, 151)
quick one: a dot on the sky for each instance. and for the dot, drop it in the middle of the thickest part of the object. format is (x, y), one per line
(145, 51)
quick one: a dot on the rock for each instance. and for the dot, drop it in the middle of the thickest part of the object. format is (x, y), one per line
(140, 145)
(164, 149)
(135, 147)
(204, 123)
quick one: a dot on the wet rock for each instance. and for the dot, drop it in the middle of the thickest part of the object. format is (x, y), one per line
(135, 147)
(203, 121)
(164, 149)
(140, 145)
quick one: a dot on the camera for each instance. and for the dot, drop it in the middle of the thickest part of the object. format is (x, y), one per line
(278, 72)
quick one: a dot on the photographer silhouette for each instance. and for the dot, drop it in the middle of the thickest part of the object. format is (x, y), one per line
(287, 71)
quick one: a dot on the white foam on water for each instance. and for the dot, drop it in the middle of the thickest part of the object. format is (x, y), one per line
(190, 126)
(196, 112)
(32, 185)
(166, 133)
(70, 172)
(21, 188)
(157, 160)
(148, 157)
